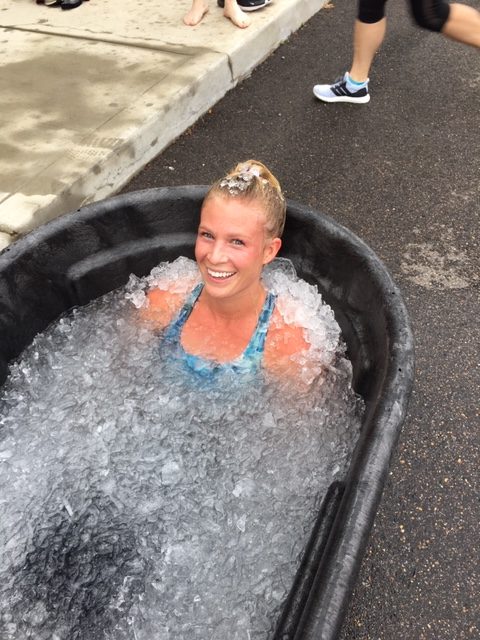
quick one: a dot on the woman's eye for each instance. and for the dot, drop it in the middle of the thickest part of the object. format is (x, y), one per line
(206, 234)
(238, 242)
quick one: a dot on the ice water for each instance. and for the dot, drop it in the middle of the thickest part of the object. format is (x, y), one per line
(137, 504)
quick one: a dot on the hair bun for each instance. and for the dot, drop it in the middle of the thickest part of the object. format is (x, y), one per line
(258, 169)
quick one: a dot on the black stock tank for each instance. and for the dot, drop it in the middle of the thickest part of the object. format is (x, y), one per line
(87, 253)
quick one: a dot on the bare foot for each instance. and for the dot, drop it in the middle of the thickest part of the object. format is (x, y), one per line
(196, 13)
(235, 14)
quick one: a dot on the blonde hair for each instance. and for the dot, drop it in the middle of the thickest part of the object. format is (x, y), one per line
(251, 180)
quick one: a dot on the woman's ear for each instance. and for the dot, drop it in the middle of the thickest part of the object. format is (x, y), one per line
(272, 247)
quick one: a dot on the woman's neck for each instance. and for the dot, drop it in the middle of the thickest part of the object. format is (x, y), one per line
(243, 305)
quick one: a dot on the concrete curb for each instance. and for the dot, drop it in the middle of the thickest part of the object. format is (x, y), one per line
(93, 163)
(5, 240)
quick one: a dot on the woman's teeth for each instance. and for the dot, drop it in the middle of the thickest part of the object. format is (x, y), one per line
(220, 274)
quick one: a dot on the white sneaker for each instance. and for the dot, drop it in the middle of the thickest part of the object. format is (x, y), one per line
(338, 92)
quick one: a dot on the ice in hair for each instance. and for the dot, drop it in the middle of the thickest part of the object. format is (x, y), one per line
(239, 182)
(252, 180)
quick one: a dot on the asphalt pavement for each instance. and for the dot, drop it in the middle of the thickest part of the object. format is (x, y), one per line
(403, 173)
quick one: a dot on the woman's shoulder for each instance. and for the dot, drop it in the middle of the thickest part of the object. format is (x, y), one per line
(284, 339)
(161, 306)
(169, 284)
(303, 335)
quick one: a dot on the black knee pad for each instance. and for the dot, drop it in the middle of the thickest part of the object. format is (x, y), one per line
(430, 14)
(371, 11)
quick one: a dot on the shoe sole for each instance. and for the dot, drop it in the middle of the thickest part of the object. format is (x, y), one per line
(247, 9)
(262, 6)
(362, 100)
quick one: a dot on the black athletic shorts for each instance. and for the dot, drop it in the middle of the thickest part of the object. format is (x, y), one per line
(429, 14)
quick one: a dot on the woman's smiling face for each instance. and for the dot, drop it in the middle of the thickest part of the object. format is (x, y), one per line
(232, 246)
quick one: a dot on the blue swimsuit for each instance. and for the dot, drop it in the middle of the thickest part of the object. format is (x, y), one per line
(248, 362)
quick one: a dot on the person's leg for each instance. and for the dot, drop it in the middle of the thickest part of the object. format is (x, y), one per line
(368, 35)
(198, 9)
(367, 38)
(233, 12)
(456, 21)
(463, 25)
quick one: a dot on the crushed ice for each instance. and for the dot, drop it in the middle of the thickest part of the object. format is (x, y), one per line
(136, 506)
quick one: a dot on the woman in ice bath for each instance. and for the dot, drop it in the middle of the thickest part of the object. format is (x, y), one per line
(229, 321)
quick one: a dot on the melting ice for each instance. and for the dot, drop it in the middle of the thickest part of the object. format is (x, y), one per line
(137, 506)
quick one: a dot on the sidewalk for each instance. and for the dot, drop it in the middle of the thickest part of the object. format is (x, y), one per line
(89, 96)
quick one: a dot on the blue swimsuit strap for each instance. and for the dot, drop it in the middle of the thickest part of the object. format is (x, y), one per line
(256, 345)
(174, 329)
